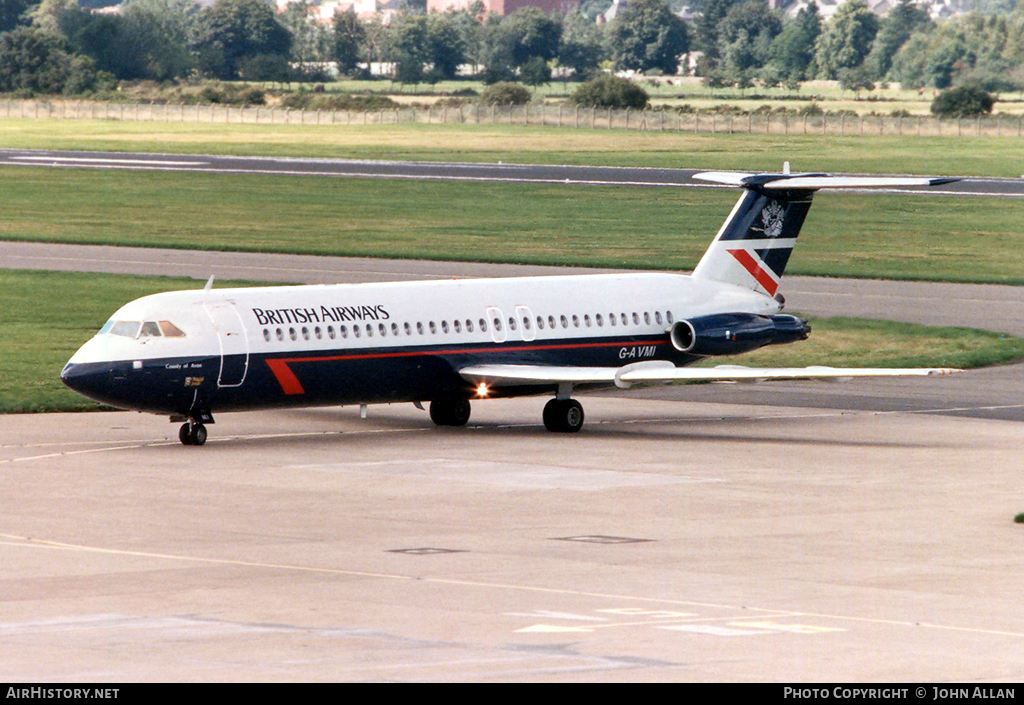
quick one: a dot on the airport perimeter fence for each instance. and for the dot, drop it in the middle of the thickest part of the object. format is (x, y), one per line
(559, 115)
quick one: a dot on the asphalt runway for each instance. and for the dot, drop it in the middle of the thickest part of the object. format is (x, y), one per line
(447, 171)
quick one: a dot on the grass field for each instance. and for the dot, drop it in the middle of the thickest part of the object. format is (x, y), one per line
(46, 316)
(964, 156)
(910, 237)
(690, 90)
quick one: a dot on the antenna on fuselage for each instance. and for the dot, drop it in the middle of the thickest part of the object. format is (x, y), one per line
(209, 283)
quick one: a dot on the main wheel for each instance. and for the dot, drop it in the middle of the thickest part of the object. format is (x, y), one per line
(450, 412)
(563, 415)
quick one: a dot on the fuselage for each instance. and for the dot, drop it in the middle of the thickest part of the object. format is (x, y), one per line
(191, 352)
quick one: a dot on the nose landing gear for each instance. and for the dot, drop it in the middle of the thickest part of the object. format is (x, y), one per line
(192, 434)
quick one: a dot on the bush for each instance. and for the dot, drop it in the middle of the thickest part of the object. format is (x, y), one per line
(963, 101)
(505, 93)
(610, 92)
(304, 100)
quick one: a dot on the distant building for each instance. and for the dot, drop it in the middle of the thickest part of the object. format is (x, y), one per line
(503, 7)
(325, 10)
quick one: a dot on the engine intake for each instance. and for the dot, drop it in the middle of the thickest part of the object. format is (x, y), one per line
(733, 333)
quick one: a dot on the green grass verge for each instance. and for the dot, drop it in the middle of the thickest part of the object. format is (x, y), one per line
(46, 316)
(900, 237)
(975, 156)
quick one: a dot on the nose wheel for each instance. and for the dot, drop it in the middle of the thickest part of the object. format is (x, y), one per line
(192, 434)
(563, 415)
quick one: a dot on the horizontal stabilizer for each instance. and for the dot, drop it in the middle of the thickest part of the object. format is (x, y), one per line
(813, 182)
(652, 372)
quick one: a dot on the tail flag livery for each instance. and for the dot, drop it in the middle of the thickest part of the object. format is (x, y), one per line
(753, 246)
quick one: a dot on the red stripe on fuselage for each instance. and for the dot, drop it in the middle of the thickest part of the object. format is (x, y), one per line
(756, 270)
(290, 383)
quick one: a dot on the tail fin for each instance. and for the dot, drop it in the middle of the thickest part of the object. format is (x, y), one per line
(753, 246)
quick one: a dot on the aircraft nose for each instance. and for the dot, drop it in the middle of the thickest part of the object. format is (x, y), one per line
(88, 379)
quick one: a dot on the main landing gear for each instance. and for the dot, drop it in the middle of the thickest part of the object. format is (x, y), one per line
(450, 412)
(563, 415)
(560, 415)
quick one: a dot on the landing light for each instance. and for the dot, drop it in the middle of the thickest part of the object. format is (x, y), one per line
(482, 390)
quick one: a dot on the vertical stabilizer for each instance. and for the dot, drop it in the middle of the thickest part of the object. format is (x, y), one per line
(754, 244)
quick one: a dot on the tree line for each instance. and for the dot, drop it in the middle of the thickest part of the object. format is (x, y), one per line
(56, 46)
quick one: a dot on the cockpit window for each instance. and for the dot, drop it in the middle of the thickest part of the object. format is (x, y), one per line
(170, 330)
(144, 329)
(129, 329)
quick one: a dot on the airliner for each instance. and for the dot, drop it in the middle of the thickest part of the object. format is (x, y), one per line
(190, 354)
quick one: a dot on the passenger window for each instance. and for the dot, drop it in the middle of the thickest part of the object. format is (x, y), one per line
(458, 325)
(586, 319)
(483, 326)
(318, 333)
(668, 316)
(419, 327)
(565, 322)
(575, 321)
(433, 328)
(383, 330)
(170, 330)
(611, 318)
(280, 334)
(266, 334)
(330, 332)
(394, 329)
(636, 319)
(408, 328)
(647, 318)
(511, 323)
(292, 334)
(551, 322)
(540, 322)
(599, 319)
(344, 331)
(444, 326)
(305, 333)
(625, 320)
(526, 323)
(369, 330)
(355, 331)
(657, 317)
(497, 324)
(469, 325)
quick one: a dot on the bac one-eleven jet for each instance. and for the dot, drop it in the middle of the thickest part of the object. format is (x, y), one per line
(189, 354)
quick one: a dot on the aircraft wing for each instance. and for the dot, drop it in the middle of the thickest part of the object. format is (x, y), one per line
(660, 371)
